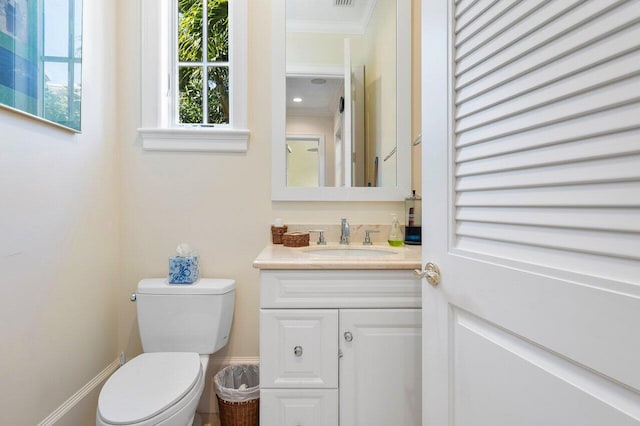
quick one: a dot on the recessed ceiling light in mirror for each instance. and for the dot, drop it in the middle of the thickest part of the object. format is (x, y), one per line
(297, 100)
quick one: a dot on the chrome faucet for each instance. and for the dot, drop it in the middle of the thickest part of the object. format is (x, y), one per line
(344, 235)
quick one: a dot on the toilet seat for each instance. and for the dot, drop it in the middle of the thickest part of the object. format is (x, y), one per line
(151, 388)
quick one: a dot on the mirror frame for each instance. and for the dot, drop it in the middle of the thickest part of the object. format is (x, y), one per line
(279, 189)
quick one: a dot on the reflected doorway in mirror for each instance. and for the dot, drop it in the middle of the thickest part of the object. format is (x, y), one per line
(305, 160)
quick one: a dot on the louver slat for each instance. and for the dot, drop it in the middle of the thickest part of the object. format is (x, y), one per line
(614, 220)
(474, 12)
(620, 195)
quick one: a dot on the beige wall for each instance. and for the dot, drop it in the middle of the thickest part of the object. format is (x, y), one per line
(59, 240)
(219, 203)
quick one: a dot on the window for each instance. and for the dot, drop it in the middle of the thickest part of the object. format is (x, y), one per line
(202, 59)
(194, 75)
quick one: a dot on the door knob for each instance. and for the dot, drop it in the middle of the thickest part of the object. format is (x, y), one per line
(431, 272)
(348, 336)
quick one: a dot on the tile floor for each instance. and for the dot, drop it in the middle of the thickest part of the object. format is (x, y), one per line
(210, 419)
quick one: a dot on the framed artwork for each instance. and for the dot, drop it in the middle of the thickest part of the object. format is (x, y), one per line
(41, 59)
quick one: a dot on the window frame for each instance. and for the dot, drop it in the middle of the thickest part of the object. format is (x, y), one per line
(158, 130)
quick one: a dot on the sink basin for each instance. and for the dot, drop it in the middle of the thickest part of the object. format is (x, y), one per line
(350, 252)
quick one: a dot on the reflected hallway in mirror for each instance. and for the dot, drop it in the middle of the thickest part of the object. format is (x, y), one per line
(341, 65)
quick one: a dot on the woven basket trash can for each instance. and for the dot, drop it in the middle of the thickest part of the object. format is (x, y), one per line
(238, 393)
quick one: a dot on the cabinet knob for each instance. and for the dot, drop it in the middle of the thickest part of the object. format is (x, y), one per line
(348, 336)
(297, 351)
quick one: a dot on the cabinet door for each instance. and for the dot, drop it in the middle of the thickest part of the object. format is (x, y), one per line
(380, 371)
(298, 348)
(299, 407)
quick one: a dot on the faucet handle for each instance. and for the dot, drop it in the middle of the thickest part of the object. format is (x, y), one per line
(367, 237)
(321, 241)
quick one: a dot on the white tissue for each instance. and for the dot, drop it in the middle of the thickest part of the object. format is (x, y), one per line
(243, 387)
(277, 223)
(184, 250)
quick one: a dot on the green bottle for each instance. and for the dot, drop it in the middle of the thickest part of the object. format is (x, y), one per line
(395, 235)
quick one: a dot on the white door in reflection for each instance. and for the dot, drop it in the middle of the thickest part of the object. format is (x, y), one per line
(305, 160)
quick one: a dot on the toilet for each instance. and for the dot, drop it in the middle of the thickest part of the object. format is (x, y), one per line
(180, 326)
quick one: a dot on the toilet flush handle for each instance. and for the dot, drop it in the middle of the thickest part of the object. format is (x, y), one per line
(133, 297)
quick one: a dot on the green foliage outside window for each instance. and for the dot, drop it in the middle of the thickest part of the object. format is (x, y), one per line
(57, 108)
(190, 49)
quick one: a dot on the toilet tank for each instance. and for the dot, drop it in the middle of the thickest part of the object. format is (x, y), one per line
(185, 318)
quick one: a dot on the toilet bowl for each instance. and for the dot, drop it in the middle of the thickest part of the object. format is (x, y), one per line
(160, 388)
(179, 327)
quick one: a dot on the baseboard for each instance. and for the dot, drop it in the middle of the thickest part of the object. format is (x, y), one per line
(208, 403)
(82, 393)
(234, 360)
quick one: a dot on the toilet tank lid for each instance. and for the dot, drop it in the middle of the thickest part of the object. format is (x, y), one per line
(202, 286)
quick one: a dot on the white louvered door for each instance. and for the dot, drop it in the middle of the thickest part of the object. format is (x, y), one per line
(531, 185)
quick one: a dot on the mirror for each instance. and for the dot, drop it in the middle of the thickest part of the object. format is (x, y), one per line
(342, 100)
(41, 59)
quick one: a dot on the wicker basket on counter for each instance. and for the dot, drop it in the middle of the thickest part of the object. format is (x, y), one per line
(295, 239)
(277, 232)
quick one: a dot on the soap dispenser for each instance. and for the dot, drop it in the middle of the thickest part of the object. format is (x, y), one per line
(413, 228)
(395, 235)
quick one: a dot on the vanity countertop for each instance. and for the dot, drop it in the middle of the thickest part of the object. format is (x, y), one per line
(276, 256)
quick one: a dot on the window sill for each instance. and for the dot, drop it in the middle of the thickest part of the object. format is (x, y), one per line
(195, 139)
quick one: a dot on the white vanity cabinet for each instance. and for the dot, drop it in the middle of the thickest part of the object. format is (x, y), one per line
(300, 348)
(340, 347)
(380, 368)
